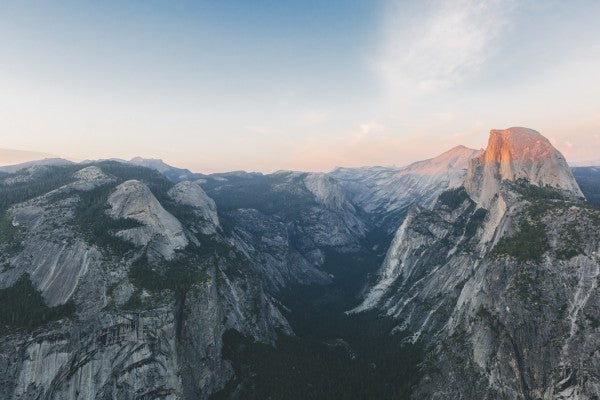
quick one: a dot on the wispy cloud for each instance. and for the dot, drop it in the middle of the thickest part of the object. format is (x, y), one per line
(372, 126)
(447, 42)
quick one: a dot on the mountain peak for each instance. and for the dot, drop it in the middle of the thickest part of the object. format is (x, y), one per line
(459, 149)
(520, 144)
(172, 173)
(155, 163)
(455, 159)
(518, 153)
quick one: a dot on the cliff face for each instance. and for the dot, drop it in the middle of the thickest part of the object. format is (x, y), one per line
(286, 222)
(499, 280)
(133, 304)
(191, 194)
(127, 281)
(387, 194)
(158, 229)
(131, 280)
(518, 153)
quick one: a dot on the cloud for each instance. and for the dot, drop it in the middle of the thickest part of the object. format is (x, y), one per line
(446, 43)
(371, 127)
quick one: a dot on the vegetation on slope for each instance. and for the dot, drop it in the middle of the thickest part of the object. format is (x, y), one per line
(178, 275)
(333, 355)
(96, 225)
(588, 179)
(528, 244)
(9, 235)
(23, 307)
(535, 193)
(41, 183)
(453, 198)
(531, 240)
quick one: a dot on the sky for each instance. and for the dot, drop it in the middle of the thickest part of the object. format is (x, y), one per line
(305, 85)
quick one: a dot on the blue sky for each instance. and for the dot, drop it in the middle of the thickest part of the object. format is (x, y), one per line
(267, 85)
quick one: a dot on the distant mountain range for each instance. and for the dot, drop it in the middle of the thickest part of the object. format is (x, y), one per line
(470, 275)
(173, 173)
(39, 163)
(388, 193)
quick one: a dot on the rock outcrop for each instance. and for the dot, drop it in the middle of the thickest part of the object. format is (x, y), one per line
(387, 194)
(327, 191)
(146, 319)
(499, 280)
(285, 222)
(518, 153)
(191, 194)
(159, 229)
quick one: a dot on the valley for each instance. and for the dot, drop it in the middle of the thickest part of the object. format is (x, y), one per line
(470, 275)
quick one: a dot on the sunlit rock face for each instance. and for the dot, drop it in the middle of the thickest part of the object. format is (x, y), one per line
(518, 153)
(499, 279)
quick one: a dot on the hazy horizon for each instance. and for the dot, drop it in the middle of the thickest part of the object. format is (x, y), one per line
(7, 159)
(221, 86)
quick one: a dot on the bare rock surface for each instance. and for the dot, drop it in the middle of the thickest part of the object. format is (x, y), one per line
(191, 194)
(499, 280)
(518, 153)
(134, 200)
(124, 341)
(388, 193)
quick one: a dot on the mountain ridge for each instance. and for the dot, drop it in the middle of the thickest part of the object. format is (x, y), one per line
(184, 284)
(388, 193)
(499, 288)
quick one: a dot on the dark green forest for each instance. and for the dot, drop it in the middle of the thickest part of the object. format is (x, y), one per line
(332, 355)
(23, 307)
(588, 179)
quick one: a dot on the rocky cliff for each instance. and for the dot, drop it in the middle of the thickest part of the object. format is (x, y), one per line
(107, 294)
(499, 280)
(387, 194)
(118, 283)
(286, 222)
(518, 153)
(191, 194)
